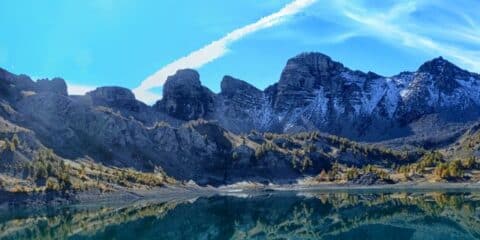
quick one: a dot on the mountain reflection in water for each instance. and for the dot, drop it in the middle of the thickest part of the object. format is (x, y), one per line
(309, 215)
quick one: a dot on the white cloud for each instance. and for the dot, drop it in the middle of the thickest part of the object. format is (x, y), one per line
(395, 26)
(214, 50)
(146, 96)
(74, 89)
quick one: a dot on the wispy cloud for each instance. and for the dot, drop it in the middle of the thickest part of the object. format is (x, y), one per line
(214, 50)
(395, 26)
(432, 27)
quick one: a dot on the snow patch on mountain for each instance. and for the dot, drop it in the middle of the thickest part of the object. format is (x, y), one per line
(471, 87)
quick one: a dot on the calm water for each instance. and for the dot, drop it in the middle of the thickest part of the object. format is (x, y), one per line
(276, 216)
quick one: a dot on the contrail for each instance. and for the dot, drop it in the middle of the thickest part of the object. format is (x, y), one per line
(214, 50)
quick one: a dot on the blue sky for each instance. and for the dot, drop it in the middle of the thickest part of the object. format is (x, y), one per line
(134, 44)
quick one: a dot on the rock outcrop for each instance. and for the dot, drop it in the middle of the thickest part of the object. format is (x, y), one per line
(111, 94)
(184, 97)
(240, 107)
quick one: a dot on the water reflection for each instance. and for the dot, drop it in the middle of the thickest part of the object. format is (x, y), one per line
(276, 216)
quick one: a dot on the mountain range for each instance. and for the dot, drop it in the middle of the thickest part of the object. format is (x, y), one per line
(316, 93)
(312, 117)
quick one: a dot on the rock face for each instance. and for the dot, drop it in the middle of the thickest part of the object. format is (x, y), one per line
(240, 107)
(439, 87)
(315, 92)
(16, 86)
(371, 179)
(111, 94)
(118, 98)
(303, 75)
(123, 100)
(236, 88)
(184, 97)
(359, 105)
(56, 85)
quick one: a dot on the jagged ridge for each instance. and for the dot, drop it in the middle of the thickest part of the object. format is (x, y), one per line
(314, 93)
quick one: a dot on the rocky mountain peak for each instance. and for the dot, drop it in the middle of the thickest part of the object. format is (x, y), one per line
(309, 71)
(231, 86)
(15, 84)
(439, 65)
(443, 73)
(56, 85)
(184, 97)
(309, 65)
(372, 75)
(4, 74)
(182, 78)
(111, 94)
(304, 74)
(320, 60)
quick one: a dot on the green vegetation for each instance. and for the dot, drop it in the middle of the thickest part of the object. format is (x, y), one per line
(375, 170)
(301, 161)
(455, 169)
(471, 142)
(436, 163)
(342, 173)
(470, 163)
(48, 172)
(428, 160)
(339, 159)
(352, 173)
(15, 141)
(263, 149)
(377, 152)
(46, 166)
(450, 170)
(431, 159)
(10, 145)
(305, 149)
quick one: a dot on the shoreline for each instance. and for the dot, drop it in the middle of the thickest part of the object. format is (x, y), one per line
(175, 193)
(398, 186)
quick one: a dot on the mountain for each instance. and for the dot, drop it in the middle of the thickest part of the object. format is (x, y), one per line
(279, 134)
(316, 93)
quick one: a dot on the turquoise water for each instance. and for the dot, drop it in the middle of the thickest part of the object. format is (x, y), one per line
(313, 215)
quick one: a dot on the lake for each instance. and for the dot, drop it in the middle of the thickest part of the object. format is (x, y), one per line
(301, 215)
